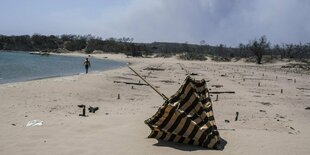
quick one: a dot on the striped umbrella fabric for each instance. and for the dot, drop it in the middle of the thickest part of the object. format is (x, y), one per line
(187, 117)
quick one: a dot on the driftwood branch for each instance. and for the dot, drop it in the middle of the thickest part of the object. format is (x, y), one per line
(228, 129)
(133, 83)
(222, 92)
(303, 88)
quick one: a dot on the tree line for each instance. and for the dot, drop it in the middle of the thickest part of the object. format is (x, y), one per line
(258, 49)
(53, 43)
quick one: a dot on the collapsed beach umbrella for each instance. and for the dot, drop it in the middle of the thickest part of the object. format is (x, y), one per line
(186, 117)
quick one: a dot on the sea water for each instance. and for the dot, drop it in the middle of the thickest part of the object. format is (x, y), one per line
(22, 66)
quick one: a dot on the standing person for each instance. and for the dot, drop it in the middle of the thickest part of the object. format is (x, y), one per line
(86, 64)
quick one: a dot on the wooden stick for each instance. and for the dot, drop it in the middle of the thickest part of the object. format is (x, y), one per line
(237, 114)
(161, 94)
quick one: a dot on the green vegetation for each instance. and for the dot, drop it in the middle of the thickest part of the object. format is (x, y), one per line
(258, 49)
(193, 56)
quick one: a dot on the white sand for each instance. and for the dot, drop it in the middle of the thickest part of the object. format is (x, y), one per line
(269, 122)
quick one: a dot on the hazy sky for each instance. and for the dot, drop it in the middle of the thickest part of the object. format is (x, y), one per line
(216, 21)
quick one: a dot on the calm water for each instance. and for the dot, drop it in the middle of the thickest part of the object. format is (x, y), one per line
(22, 66)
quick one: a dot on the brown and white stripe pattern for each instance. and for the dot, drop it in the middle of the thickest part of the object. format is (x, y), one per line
(187, 117)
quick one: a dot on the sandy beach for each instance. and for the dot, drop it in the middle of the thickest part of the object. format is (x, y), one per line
(270, 122)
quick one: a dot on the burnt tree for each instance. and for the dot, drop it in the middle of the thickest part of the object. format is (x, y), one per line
(259, 47)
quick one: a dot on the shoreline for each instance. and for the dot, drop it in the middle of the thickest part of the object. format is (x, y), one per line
(65, 74)
(61, 76)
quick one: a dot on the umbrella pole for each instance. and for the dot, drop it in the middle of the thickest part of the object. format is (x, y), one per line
(161, 94)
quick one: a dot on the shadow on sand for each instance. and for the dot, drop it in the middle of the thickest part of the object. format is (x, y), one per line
(186, 147)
